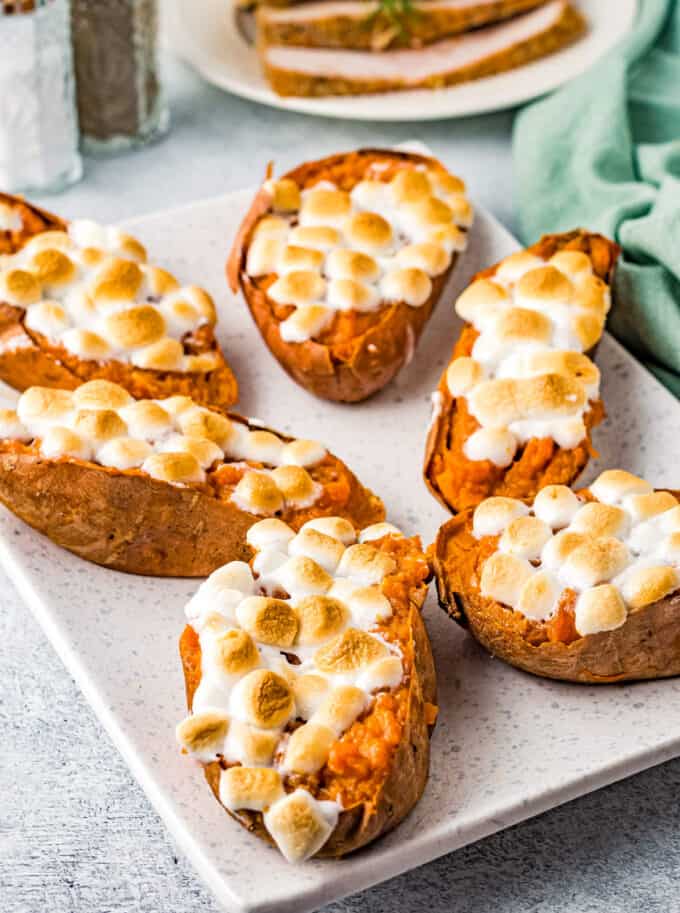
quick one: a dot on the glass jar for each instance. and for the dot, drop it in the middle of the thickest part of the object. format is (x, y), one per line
(38, 126)
(120, 102)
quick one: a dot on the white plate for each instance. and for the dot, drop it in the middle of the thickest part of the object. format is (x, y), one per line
(507, 745)
(204, 34)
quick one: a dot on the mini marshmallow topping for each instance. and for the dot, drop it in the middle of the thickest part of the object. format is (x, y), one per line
(527, 375)
(173, 440)
(90, 290)
(610, 554)
(382, 242)
(290, 658)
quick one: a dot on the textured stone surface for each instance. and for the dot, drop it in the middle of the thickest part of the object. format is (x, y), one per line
(77, 834)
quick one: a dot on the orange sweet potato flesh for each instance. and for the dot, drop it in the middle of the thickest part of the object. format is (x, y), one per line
(28, 358)
(358, 354)
(379, 767)
(130, 522)
(647, 646)
(459, 483)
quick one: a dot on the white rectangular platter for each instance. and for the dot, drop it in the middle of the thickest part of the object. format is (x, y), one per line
(507, 746)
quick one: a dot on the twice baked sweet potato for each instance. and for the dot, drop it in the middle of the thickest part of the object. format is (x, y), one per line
(343, 260)
(515, 408)
(582, 586)
(78, 301)
(165, 487)
(312, 686)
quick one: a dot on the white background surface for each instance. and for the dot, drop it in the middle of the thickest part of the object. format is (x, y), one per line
(76, 833)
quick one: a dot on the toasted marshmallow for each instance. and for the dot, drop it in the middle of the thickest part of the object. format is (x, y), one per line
(268, 620)
(431, 258)
(11, 428)
(525, 537)
(100, 394)
(85, 344)
(420, 216)
(320, 618)
(587, 329)
(544, 285)
(450, 237)
(310, 691)
(495, 444)
(308, 748)
(593, 294)
(205, 423)
(302, 453)
(461, 210)
(445, 183)
(180, 315)
(325, 207)
(370, 194)
(222, 591)
(325, 550)
(296, 485)
(462, 375)
(159, 281)
(351, 295)
(305, 323)
(42, 404)
(502, 401)
(48, 318)
(202, 735)
(481, 298)
(134, 327)
(410, 186)
(263, 699)
(270, 533)
(320, 237)
(293, 257)
(573, 263)
(595, 561)
(206, 452)
(556, 505)
(98, 425)
(643, 507)
(349, 652)
(300, 824)
(412, 286)
(538, 596)
(386, 673)
(351, 264)
(301, 576)
(368, 606)
(124, 453)
(117, 281)
(365, 564)
(493, 515)
(613, 485)
(258, 494)
(250, 746)
(556, 361)
(522, 325)
(62, 442)
(669, 550)
(254, 788)
(285, 195)
(644, 586)
(53, 269)
(179, 468)
(335, 527)
(368, 232)
(599, 520)
(339, 709)
(503, 577)
(19, 287)
(557, 550)
(203, 363)
(600, 608)
(379, 531)
(512, 268)
(271, 227)
(146, 420)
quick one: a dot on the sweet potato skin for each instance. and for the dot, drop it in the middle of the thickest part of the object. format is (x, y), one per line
(28, 359)
(350, 373)
(133, 523)
(407, 774)
(530, 470)
(647, 646)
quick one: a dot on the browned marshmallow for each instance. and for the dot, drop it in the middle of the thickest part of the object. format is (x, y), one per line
(258, 493)
(320, 618)
(203, 733)
(254, 788)
(268, 620)
(236, 653)
(265, 699)
(349, 652)
(308, 748)
(100, 394)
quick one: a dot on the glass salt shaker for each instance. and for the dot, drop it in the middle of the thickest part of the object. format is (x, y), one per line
(38, 124)
(120, 100)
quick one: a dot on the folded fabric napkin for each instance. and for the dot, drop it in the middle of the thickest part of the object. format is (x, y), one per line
(604, 153)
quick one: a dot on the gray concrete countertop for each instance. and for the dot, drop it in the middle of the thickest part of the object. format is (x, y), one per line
(77, 834)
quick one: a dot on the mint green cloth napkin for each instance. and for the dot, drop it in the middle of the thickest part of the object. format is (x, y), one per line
(604, 153)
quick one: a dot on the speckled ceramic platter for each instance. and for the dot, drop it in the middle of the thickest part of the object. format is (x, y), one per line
(507, 746)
